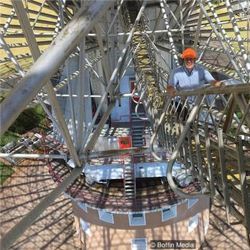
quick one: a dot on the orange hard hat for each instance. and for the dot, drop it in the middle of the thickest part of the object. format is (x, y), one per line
(189, 53)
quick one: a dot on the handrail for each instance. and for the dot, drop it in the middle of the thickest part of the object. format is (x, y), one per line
(208, 90)
(151, 144)
(173, 157)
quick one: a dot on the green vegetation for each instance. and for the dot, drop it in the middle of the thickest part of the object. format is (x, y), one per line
(8, 137)
(30, 118)
(5, 172)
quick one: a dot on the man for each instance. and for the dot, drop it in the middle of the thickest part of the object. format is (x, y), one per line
(187, 77)
(190, 75)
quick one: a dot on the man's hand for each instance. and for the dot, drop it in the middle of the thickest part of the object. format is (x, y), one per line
(216, 83)
(171, 90)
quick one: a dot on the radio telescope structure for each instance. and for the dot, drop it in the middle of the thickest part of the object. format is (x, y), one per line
(95, 153)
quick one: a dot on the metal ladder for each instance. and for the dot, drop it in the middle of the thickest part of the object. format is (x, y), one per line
(129, 181)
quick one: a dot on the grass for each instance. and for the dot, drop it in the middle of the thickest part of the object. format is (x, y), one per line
(5, 172)
(7, 137)
(30, 118)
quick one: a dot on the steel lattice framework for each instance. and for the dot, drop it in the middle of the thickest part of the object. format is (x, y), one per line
(41, 40)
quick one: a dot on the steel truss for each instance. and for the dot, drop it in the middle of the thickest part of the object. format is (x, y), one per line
(102, 39)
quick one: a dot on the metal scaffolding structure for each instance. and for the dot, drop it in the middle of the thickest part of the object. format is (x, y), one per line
(91, 45)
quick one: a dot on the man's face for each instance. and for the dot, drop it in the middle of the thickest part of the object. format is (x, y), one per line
(189, 63)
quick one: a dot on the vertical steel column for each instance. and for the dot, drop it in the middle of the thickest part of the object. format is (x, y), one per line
(171, 129)
(112, 40)
(85, 106)
(179, 129)
(157, 127)
(198, 154)
(185, 152)
(105, 63)
(190, 151)
(61, 6)
(82, 81)
(222, 160)
(71, 103)
(209, 162)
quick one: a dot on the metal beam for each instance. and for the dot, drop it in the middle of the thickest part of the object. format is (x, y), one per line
(98, 130)
(85, 105)
(9, 20)
(33, 156)
(28, 32)
(22, 73)
(104, 58)
(38, 14)
(222, 160)
(115, 16)
(209, 162)
(198, 28)
(71, 104)
(49, 61)
(230, 113)
(207, 90)
(115, 73)
(243, 184)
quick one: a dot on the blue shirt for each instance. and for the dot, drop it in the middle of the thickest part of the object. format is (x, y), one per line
(182, 79)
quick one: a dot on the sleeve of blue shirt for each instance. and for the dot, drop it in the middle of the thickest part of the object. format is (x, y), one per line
(208, 77)
(172, 79)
